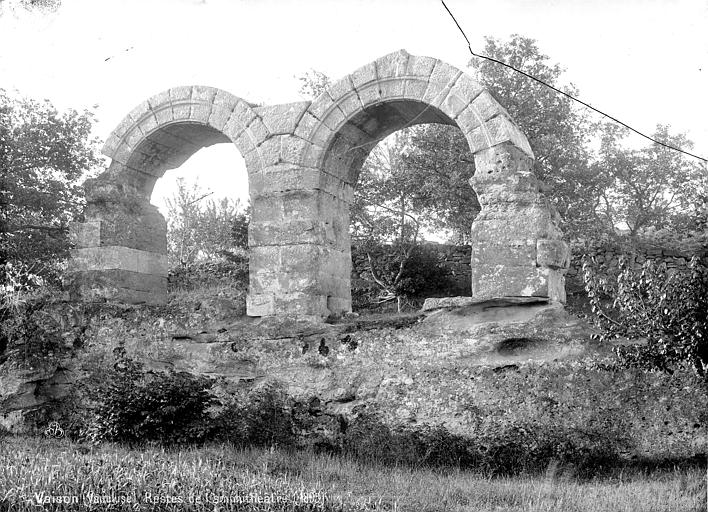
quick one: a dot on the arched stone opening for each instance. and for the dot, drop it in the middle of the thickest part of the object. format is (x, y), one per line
(303, 160)
(516, 249)
(121, 250)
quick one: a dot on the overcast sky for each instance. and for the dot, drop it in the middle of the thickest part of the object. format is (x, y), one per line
(643, 61)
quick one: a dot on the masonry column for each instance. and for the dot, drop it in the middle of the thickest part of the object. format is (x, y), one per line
(516, 244)
(299, 245)
(120, 251)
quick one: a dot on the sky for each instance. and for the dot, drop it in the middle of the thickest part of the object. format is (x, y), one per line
(643, 61)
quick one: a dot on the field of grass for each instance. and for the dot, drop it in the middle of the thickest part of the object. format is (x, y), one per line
(66, 476)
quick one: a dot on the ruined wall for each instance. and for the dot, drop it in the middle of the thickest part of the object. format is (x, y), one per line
(303, 160)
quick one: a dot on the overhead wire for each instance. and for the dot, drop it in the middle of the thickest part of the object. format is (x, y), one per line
(480, 56)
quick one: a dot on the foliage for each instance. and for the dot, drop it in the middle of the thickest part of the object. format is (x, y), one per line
(313, 83)
(261, 417)
(197, 232)
(44, 156)
(439, 165)
(65, 468)
(666, 307)
(654, 187)
(557, 129)
(416, 275)
(136, 406)
(230, 269)
(503, 447)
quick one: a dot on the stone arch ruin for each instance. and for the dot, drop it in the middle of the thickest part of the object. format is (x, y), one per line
(303, 161)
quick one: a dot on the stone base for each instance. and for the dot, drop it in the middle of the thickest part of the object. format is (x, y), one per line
(122, 286)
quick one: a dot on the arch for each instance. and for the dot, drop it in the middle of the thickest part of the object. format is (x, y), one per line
(303, 161)
(165, 130)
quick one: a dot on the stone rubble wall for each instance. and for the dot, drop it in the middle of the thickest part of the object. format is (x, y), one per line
(456, 258)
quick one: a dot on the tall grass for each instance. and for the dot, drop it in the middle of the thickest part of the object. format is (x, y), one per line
(211, 478)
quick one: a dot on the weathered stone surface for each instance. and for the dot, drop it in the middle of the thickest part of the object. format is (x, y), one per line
(434, 303)
(303, 161)
(85, 234)
(554, 254)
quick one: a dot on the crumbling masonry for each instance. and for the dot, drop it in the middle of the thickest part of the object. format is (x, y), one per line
(303, 160)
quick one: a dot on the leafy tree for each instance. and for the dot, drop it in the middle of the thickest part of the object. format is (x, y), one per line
(313, 83)
(651, 188)
(557, 129)
(203, 231)
(665, 307)
(44, 156)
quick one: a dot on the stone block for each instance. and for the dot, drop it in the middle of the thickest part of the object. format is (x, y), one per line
(301, 305)
(289, 231)
(414, 88)
(487, 107)
(532, 222)
(489, 281)
(306, 126)
(392, 65)
(282, 119)
(85, 234)
(502, 129)
(270, 151)
(117, 285)
(339, 305)
(180, 93)
(364, 75)
(181, 110)
(282, 178)
(266, 208)
(392, 88)
(264, 257)
(258, 130)
(349, 105)
(369, 93)
(203, 93)
(505, 252)
(260, 304)
(340, 88)
(468, 120)
(163, 113)
(200, 112)
(554, 254)
(504, 159)
(420, 66)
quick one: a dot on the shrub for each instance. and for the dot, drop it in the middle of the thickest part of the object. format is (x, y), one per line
(231, 269)
(259, 417)
(135, 406)
(496, 445)
(667, 307)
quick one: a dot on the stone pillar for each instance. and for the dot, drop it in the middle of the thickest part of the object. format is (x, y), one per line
(120, 252)
(516, 244)
(299, 245)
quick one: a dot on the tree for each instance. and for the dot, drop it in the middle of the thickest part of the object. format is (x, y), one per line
(199, 231)
(652, 188)
(558, 130)
(44, 156)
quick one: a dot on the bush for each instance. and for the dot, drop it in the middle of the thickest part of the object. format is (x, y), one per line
(498, 445)
(135, 406)
(260, 417)
(422, 276)
(231, 269)
(666, 307)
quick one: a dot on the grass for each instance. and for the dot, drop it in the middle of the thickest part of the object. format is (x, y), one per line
(202, 479)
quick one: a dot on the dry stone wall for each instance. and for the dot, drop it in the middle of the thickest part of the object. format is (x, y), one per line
(303, 160)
